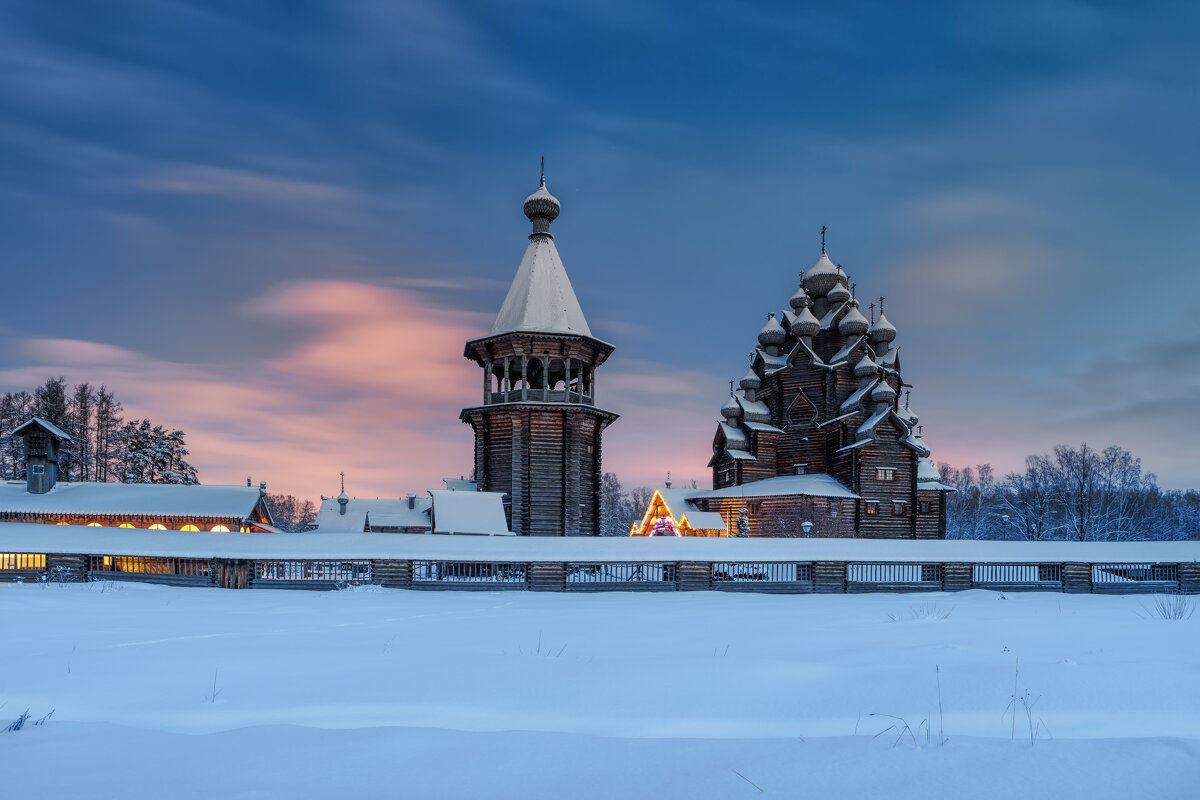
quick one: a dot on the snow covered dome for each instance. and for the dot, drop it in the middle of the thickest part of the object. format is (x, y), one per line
(750, 380)
(800, 299)
(839, 293)
(882, 330)
(854, 323)
(805, 324)
(542, 204)
(865, 368)
(772, 333)
(883, 393)
(731, 410)
(822, 277)
(927, 472)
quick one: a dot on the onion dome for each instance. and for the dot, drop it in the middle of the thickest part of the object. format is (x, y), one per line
(839, 293)
(822, 277)
(800, 299)
(731, 410)
(883, 393)
(882, 330)
(542, 207)
(805, 324)
(750, 380)
(854, 323)
(865, 368)
(772, 333)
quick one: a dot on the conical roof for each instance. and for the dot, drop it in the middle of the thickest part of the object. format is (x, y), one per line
(541, 299)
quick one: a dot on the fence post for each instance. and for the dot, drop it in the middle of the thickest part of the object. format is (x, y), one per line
(695, 576)
(957, 577)
(1077, 578)
(829, 577)
(392, 574)
(1189, 578)
(547, 577)
(67, 567)
(231, 573)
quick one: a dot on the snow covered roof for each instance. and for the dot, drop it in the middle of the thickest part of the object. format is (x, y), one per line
(811, 485)
(541, 299)
(926, 471)
(461, 485)
(469, 512)
(148, 499)
(854, 401)
(378, 513)
(50, 427)
(32, 538)
(679, 506)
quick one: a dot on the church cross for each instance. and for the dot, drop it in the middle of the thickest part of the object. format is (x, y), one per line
(343, 481)
(731, 387)
(872, 307)
(881, 306)
(823, 229)
(906, 396)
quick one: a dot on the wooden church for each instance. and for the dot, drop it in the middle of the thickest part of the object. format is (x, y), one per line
(538, 431)
(818, 442)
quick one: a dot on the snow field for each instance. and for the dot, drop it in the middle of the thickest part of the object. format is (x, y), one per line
(638, 695)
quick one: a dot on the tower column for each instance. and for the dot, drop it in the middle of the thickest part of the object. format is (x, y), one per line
(487, 383)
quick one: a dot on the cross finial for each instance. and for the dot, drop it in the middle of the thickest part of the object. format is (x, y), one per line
(823, 229)
(881, 305)
(731, 387)
(668, 479)
(543, 181)
(343, 475)
(921, 429)
(906, 396)
(853, 286)
(872, 307)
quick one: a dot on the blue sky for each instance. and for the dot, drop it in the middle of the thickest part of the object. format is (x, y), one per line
(267, 223)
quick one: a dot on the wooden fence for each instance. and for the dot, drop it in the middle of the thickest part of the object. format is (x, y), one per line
(737, 576)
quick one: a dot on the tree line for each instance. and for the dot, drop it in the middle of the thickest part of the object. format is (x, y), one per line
(104, 447)
(1072, 493)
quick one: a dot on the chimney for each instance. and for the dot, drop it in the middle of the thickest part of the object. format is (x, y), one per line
(412, 501)
(248, 482)
(262, 489)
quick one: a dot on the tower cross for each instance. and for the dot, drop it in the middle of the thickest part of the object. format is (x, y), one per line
(731, 387)
(343, 476)
(823, 229)
(906, 396)
(881, 305)
(872, 307)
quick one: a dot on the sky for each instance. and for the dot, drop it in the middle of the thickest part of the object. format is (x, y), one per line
(273, 225)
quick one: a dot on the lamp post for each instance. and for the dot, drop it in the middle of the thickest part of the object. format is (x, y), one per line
(807, 527)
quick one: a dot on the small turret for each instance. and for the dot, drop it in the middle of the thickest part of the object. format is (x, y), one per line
(772, 334)
(838, 294)
(854, 323)
(866, 368)
(805, 324)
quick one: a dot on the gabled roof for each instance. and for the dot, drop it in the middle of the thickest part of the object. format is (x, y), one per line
(541, 299)
(376, 513)
(676, 501)
(479, 513)
(48, 426)
(149, 499)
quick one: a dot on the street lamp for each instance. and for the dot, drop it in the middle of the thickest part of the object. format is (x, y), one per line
(806, 526)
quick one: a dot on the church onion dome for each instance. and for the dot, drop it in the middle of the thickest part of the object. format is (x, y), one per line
(542, 207)
(800, 299)
(772, 333)
(806, 324)
(839, 293)
(927, 472)
(883, 393)
(822, 277)
(865, 368)
(750, 380)
(731, 410)
(882, 330)
(854, 323)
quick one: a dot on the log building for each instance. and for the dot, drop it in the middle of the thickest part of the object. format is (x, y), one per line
(538, 430)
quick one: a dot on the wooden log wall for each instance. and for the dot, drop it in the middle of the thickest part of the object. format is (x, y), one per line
(829, 577)
(72, 567)
(232, 573)
(694, 576)
(957, 577)
(1189, 578)
(392, 574)
(1077, 578)
(547, 577)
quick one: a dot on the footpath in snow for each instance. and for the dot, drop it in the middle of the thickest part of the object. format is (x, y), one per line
(162, 691)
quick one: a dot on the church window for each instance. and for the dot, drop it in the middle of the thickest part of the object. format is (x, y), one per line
(885, 474)
(872, 507)
(925, 506)
(899, 508)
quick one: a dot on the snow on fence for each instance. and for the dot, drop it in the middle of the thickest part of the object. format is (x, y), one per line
(762, 576)
(868, 577)
(623, 576)
(151, 569)
(1135, 578)
(310, 574)
(468, 575)
(1010, 577)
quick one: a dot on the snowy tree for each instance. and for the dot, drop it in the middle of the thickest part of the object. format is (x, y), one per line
(614, 511)
(743, 522)
(290, 514)
(152, 454)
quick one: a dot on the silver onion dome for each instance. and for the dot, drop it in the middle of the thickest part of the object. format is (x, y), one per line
(854, 323)
(772, 333)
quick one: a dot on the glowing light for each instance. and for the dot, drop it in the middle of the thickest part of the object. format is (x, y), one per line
(94, 525)
(125, 525)
(189, 527)
(220, 528)
(158, 526)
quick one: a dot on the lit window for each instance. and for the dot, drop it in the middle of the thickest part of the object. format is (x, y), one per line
(94, 525)
(125, 525)
(872, 507)
(885, 474)
(220, 528)
(62, 523)
(189, 527)
(158, 526)
(899, 508)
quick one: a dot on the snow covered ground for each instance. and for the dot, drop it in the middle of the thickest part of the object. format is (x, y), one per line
(165, 692)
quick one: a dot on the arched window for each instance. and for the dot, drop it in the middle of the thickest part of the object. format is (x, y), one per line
(220, 528)
(158, 526)
(189, 527)
(62, 523)
(94, 525)
(125, 525)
